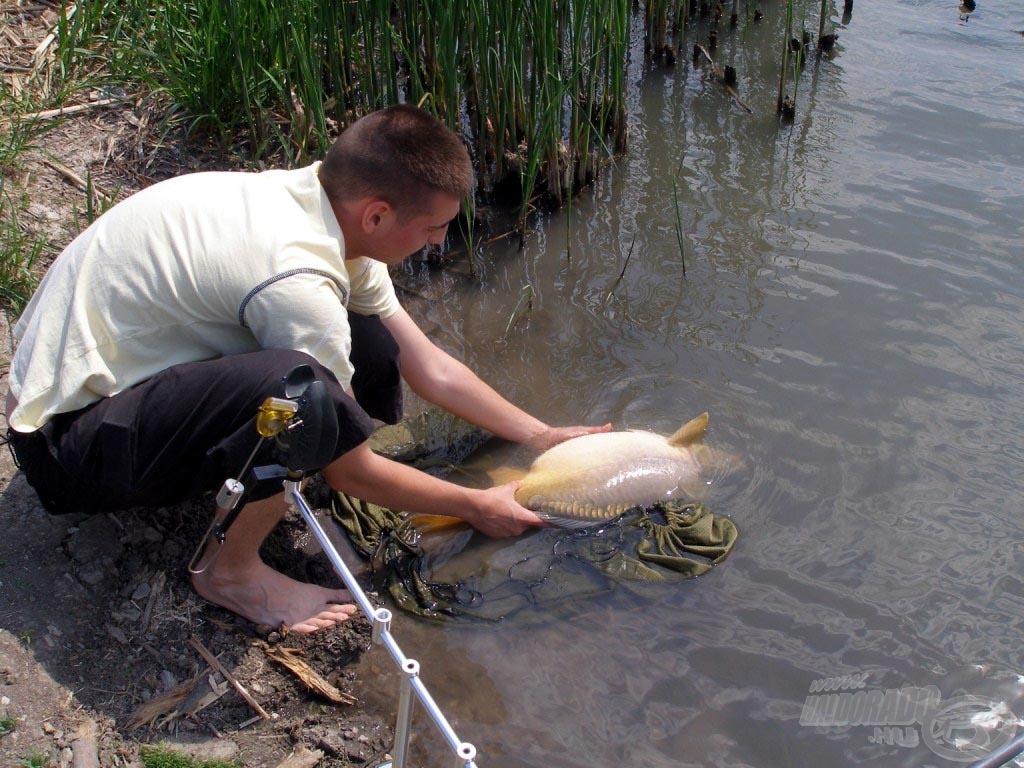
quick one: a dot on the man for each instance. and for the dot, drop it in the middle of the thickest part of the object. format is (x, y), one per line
(150, 344)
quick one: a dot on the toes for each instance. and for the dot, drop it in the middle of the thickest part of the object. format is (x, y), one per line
(334, 614)
(306, 627)
(312, 625)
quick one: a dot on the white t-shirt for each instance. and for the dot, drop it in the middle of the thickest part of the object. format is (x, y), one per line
(192, 268)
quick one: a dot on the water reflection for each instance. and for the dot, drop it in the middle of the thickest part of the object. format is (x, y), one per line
(850, 316)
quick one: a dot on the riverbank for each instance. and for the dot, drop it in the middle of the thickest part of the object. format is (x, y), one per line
(101, 636)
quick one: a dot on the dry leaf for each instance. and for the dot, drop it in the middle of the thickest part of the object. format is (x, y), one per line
(161, 705)
(291, 659)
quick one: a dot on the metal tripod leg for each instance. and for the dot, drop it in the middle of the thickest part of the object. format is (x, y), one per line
(411, 685)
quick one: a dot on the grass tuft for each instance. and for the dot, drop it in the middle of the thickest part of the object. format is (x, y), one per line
(36, 760)
(156, 756)
(7, 725)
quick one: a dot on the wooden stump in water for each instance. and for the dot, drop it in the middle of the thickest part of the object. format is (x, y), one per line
(788, 110)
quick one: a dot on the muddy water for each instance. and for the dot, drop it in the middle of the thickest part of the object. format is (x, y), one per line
(852, 316)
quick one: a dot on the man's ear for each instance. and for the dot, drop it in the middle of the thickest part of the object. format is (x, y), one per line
(376, 213)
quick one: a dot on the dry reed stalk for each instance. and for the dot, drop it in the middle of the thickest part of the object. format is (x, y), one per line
(291, 659)
(216, 665)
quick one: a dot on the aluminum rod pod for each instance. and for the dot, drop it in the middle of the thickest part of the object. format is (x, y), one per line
(436, 714)
(403, 721)
(465, 753)
(381, 625)
(293, 494)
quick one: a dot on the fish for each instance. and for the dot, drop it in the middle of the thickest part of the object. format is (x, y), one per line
(596, 477)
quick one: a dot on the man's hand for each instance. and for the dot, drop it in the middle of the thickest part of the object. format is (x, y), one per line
(555, 435)
(498, 514)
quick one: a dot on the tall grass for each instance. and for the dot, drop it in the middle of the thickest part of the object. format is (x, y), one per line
(535, 86)
(19, 251)
(20, 248)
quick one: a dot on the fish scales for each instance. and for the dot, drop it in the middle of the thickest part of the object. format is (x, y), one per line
(597, 477)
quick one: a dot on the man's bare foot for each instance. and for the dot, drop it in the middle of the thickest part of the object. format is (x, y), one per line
(264, 596)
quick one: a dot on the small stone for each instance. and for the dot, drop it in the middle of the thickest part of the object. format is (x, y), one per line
(168, 680)
(127, 614)
(91, 575)
(117, 634)
(48, 729)
(96, 537)
(141, 591)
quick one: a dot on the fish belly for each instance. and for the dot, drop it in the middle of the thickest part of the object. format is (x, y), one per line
(597, 477)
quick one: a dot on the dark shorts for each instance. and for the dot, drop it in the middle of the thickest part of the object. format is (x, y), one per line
(184, 431)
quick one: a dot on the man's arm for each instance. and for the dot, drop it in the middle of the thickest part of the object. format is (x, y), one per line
(365, 475)
(440, 379)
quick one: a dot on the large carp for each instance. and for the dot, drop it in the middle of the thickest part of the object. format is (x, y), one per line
(596, 477)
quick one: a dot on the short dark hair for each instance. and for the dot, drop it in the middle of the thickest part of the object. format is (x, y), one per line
(400, 154)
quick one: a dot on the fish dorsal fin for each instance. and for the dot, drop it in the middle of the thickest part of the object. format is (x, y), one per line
(690, 431)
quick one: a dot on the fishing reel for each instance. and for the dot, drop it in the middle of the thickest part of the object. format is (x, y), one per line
(303, 425)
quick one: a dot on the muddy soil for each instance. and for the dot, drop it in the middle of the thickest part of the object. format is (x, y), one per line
(100, 647)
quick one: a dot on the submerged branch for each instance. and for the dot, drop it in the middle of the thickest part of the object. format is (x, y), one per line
(720, 77)
(622, 274)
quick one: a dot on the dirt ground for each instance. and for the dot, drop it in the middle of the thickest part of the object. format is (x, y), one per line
(100, 648)
(99, 629)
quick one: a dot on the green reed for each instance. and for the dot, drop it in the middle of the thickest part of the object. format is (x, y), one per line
(785, 55)
(822, 18)
(537, 87)
(680, 234)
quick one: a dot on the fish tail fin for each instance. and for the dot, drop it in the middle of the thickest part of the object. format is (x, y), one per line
(690, 431)
(502, 475)
(716, 464)
(435, 523)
